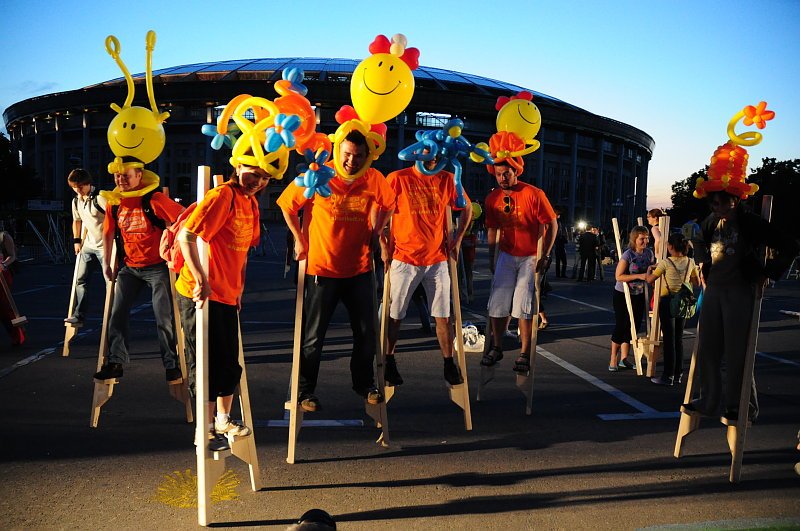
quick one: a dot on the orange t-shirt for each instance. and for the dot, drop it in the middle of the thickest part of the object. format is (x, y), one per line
(527, 208)
(228, 221)
(140, 238)
(340, 228)
(418, 223)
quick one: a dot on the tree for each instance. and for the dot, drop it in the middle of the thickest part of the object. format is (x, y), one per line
(684, 205)
(780, 179)
(19, 182)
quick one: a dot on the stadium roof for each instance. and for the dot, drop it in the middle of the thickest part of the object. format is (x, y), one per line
(331, 69)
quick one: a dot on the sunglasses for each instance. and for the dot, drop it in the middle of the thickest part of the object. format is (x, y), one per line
(509, 204)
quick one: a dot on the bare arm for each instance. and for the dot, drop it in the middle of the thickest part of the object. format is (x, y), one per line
(300, 240)
(191, 256)
(454, 241)
(621, 274)
(109, 231)
(76, 233)
(9, 250)
(491, 235)
(550, 230)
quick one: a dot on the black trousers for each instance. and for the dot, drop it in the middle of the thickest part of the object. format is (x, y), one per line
(672, 330)
(561, 261)
(590, 271)
(321, 297)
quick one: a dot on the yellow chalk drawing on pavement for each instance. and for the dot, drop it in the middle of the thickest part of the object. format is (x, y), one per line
(179, 489)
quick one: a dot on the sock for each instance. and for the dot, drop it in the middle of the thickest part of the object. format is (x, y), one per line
(222, 418)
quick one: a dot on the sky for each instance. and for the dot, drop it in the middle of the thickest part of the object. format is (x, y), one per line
(678, 70)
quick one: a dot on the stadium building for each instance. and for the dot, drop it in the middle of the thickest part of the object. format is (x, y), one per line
(594, 167)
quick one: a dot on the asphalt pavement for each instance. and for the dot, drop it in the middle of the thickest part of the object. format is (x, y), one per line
(596, 452)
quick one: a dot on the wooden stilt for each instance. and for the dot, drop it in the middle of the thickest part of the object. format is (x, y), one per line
(293, 404)
(245, 447)
(736, 431)
(525, 381)
(487, 373)
(689, 421)
(654, 345)
(386, 300)
(103, 389)
(459, 394)
(378, 412)
(210, 465)
(72, 328)
(18, 320)
(179, 389)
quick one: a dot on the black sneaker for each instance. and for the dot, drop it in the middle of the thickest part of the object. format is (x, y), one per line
(219, 443)
(371, 395)
(390, 374)
(109, 371)
(451, 373)
(309, 402)
(174, 374)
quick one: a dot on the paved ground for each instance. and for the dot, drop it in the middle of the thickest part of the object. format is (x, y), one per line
(562, 467)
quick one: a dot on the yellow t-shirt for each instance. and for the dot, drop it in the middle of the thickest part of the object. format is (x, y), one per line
(674, 276)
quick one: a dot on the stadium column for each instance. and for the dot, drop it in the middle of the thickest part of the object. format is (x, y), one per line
(627, 208)
(59, 155)
(599, 208)
(573, 176)
(540, 161)
(37, 148)
(85, 141)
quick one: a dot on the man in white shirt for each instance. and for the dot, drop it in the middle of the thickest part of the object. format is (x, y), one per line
(88, 211)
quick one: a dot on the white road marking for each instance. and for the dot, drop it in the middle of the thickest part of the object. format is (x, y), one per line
(644, 411)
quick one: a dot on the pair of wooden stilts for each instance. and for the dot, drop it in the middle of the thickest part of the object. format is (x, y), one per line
(736, 430)
(524, 381)
(459, 394)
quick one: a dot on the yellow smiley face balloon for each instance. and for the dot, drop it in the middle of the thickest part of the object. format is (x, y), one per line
(135, 132)
(520, 116)
(382, 84)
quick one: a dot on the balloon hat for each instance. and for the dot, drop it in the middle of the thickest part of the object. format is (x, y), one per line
(445, 145)
(518, 121)
(136, 134)
(276, 127)
(728, 168)
(381, 88)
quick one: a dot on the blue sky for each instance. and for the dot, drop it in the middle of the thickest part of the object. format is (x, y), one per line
(678, 70)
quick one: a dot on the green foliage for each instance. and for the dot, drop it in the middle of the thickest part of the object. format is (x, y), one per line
(684, 205)
(19, 182)
(780, 179)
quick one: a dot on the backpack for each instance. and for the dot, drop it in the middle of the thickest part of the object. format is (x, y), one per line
(149, 213)
(682, 304)
(169, 247)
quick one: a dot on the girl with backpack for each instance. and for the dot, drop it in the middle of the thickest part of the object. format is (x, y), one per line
(677, 270)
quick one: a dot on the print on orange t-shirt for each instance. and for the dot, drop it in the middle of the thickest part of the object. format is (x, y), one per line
(140, 238)
(527, 207)
(229, 221)
(418, 223)
(340, 229)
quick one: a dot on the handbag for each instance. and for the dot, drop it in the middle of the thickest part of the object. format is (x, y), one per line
(682, 304)
(473, 340)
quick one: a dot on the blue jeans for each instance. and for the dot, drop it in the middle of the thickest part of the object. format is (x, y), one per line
(89, 261)
(130, 281)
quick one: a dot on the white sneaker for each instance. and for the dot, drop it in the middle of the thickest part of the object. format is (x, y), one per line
(232, 427)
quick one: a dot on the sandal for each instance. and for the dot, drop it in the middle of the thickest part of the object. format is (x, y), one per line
(543, 324)
(522, 365)
(493, 356)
